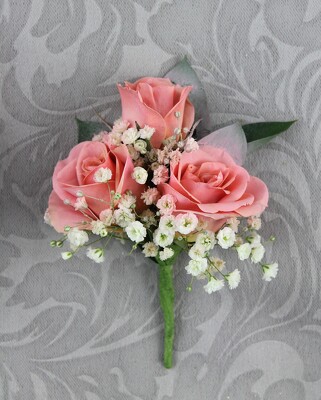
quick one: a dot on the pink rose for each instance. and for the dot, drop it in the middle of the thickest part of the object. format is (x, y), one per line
(74, 178)
(158, 103)
(209, 183)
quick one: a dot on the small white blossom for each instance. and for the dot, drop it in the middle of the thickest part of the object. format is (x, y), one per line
(213, 285)
(115, 138)
(163, 237)
(186, 223)
(238, 241)
(96, 254)
(66, 255)
(120, 126)
(270, 271)
(206, 240)
(148, 217)
(130, 136)
(167, 222)
(166, 253)
(254, 239)
(202, 224)
(46, 217)
(146, 132)
(136, 231)
(127, 201)
(140, 146)
(106, 216)
(257, 253)
(77, 237)
(124, 217)
(103, 175)
(166, 204)
(254, 223)
(233, 223)
(196, 252)
(97, 227)
(140, 175)
(191, 145)
(217, 264)
(99, 137)
(81, 203)
(134, 154)
(104, 232)
(150, 196)
(233, 279)
(196, 267)
(244, 251)
(150, 249)
(226, 237)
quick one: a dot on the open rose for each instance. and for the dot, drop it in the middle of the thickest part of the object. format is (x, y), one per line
(159, 103)
(209, 183)
(75, 176)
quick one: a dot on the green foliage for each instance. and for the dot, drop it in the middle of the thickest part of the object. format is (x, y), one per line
(87, 129)
(260, 133)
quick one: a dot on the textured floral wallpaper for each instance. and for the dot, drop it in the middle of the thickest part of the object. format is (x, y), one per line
(81, 331)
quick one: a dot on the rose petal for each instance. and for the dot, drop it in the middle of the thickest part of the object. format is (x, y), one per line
(147, 95)
(164, 99)
(61, 214)
(133, 109)
(93, 151)
(172, 121)
(97, 195)
(246, 199)
(261, 198)
(204, 192)
(182, 202)
(153, 82)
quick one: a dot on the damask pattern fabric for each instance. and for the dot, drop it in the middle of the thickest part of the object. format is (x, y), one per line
(80, 331)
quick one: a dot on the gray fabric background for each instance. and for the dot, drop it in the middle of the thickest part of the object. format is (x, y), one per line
(82, 331)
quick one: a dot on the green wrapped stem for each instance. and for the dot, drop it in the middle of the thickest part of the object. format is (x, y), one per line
(166, 296)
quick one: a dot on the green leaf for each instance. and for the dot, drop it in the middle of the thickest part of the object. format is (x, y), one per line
(86, 129)
(184, 75)
(260, 133)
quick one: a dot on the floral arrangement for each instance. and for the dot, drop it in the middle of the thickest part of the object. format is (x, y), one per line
(159, 180)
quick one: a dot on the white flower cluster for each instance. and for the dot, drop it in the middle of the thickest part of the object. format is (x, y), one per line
(169, 227)
(120, 214)
(203, 266)
(136, 140)
(161, 230)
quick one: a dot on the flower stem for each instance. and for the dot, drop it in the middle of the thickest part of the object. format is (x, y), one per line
(166, 296)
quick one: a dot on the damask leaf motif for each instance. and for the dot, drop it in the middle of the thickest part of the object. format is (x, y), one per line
(62, 25)
(52, 280)
(243, 384)
(18, 200)
(81, 91)
(12, 23)
(7, 251)
(305, 31)
(293, 389)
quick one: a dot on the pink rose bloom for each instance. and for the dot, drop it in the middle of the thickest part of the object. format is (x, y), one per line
(158, 103)
(209, 183)
(74, 178)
